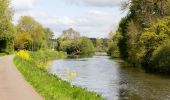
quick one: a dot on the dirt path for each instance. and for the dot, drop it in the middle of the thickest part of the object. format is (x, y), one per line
(12, 84)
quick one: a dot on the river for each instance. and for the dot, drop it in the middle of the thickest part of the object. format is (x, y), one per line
(108, 78)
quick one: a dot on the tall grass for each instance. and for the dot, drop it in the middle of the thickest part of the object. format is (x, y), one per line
(50, 86)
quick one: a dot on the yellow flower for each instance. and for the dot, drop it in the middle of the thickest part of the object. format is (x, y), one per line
(70, 74)
(40, 64)
(73, 74)
(24, 55)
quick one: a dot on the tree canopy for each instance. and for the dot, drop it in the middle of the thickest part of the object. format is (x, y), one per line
(72, 43)
(145, 28)
(7, 29)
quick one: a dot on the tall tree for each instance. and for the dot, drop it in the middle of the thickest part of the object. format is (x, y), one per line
(22, 41)
(49, 35)
(70, 34)
(144, 28)
(99, 45)
(7, 29)
(28, 25)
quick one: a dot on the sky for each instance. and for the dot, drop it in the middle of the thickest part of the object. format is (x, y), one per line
(92, 18)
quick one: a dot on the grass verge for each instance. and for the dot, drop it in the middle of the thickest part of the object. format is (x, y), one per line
(2, 54)
(50, 86)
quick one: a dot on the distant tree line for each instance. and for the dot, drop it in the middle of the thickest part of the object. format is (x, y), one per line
(30, 35)
(143, 36)
(100, 44)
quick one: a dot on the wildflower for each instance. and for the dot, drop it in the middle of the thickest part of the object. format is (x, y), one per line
(40, 64)
(70, 74)
(24, 55)
(73, 74)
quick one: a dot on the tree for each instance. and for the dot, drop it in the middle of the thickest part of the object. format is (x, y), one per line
(49, 38)
(99, 45)
(28, 25)
(71, 42)
(7, 29)
(142, 31)
(153, 37)
(23, 41)
(58, 44)
(122, 42)
(160, 59)
(132, 44)
(86, 47)
(113, 49)
(70, 34)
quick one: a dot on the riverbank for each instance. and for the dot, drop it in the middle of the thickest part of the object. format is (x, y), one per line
(31, 65)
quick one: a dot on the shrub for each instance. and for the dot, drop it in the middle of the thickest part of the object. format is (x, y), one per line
(161, 58)
(86, 47)
(24, 55)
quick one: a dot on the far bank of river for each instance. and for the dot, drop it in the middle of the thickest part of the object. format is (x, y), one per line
(106, 77)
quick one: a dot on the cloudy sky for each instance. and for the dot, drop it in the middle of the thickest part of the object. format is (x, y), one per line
(92, 18)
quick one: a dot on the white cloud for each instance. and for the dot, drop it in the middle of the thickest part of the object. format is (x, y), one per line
(92, 23)
(20, 5)
(98, 3)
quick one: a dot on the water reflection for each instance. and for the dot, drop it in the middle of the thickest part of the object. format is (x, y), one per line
(106, 77)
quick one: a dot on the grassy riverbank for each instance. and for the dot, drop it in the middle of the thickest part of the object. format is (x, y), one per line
(2, 54)
(31, 65)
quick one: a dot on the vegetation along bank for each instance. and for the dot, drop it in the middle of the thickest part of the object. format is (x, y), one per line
(143, 36)
(32, 67)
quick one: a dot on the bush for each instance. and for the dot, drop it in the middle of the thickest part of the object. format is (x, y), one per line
(113, 50)
(86, 47)
(161, 58)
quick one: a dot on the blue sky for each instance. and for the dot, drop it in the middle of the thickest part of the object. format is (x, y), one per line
(92, 18)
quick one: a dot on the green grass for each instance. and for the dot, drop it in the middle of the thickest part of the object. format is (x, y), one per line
(50, 86)
(2, 54)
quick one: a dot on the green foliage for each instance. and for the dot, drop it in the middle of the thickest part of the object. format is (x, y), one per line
(153, 37)
(113, 49)
(50, 86)
(7, 29)
(101, 45)
(133, 44)
(80, 46)
(122, 44)
(23, 41)
(49, 37)
(28, 25)
(86, 47)
(73, 44)
(160, 59)
(143, 31)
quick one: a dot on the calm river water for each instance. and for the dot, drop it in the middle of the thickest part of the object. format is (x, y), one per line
(106, 77)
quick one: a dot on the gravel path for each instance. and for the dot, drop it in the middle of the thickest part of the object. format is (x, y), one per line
(12, 84)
